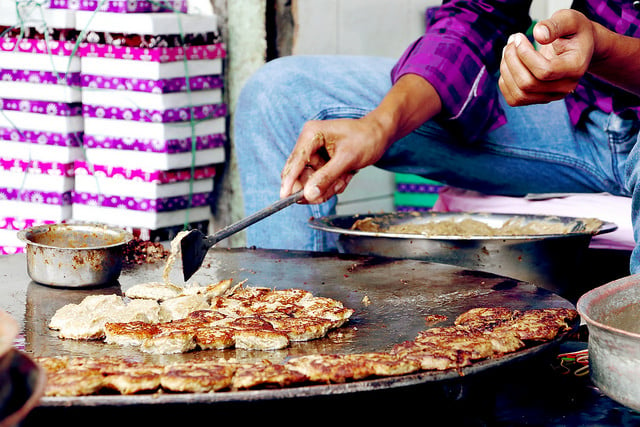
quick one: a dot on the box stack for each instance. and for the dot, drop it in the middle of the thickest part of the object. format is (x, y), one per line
(41, 121)
(154, 120)
(121, 6)
(415, 193)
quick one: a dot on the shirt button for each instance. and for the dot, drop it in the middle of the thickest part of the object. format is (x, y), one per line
(636, 5)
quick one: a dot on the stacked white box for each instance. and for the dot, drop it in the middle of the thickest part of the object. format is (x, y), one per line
(41, 121)
(152, 102)
(121, 6)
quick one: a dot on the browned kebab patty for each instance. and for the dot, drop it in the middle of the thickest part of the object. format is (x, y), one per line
(477, 334)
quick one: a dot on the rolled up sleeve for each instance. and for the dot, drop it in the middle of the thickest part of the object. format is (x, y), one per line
(459, 55)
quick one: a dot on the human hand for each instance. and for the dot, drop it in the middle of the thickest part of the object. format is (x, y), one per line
(528, 76)
(327, 155)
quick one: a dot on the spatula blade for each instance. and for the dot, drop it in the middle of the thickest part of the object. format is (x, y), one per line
(193, 247)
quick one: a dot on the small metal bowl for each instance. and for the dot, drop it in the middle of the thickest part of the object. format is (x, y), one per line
(74, 255)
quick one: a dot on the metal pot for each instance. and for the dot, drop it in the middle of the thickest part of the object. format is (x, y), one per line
(612, 314)
(74, 255)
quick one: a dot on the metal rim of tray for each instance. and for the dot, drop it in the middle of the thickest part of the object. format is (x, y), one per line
(304, 390)
(342, 224)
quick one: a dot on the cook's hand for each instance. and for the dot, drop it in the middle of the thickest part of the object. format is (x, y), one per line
(532, 77)
(328, 153)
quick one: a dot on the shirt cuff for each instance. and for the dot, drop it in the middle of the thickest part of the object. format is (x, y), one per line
(467, 91)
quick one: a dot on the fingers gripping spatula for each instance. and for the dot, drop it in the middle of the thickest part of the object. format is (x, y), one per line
(195, 245)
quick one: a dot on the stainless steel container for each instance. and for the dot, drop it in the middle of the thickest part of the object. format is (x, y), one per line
(547, 260)
(74, 255)
(612, 314)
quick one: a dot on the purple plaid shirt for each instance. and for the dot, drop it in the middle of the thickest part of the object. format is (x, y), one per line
(460, 52)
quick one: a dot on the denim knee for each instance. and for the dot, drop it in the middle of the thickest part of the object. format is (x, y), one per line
(271, 81)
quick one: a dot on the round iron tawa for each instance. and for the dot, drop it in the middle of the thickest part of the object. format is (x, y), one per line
(390, 297)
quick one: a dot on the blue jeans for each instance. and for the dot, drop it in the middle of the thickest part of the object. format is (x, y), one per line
(538, 151)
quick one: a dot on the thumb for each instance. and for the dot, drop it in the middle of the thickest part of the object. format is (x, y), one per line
(328, 180)
(563, 23)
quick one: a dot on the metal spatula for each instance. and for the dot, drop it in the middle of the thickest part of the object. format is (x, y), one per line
(195, 245)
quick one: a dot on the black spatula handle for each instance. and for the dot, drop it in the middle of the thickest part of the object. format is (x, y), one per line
(253, 218)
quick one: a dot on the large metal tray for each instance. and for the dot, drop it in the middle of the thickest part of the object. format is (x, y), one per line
(401, 294)
(547, 260)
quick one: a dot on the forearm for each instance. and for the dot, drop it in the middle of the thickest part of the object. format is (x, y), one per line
(616, 59)
(409, 103)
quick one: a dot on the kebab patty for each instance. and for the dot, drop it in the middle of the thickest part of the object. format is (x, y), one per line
(476, 335)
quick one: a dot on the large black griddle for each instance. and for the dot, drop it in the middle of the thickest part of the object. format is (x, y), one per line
(401, 294)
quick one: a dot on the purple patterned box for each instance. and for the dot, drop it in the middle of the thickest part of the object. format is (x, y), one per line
(152, 77)
(170, 85)
(418, 188)
(155, 176)
(125, 190)
(73, 139)
(166, 204)
(36, 166)
(40, 77)
(170, 138)
(36, 196)
(122, 6)
(171, 115)
(158, 54)
(132, 105)
(43, 177)
(170, 146)
(9, 226)
(41, 32)
(11, 250)
(152, 40)
(66, 109)
(17, 224)
(40, 46)
(46, 129)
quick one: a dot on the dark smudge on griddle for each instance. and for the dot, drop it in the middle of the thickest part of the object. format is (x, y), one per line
(479, 274)
(505, 285)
